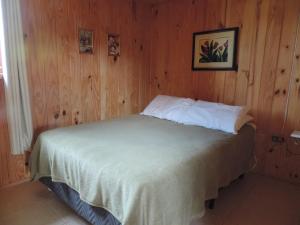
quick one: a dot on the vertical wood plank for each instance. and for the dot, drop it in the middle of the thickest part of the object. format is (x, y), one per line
(247, 43)
(274, 29)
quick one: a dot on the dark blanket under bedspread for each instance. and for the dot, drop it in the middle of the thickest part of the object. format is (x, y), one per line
(94, 215)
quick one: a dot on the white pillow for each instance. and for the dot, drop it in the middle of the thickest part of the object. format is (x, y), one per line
(216, 116)
(167, 107)
(201, 113)
(235, 109)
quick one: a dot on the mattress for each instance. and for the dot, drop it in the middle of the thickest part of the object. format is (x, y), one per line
(141, 169)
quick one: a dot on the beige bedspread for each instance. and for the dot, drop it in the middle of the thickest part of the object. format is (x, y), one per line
(145, 171)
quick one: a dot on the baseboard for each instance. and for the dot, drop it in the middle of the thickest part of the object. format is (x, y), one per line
(15, 184)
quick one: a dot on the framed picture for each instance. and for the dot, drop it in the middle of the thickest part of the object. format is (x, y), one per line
(114, 47)
(215, 49)
(86, 41)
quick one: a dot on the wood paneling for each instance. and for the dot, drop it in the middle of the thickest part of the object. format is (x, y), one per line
(268, 76)
(156, 45)
(69, 88)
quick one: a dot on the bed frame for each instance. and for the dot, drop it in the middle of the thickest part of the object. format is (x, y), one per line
(212, 202)
(94, 215)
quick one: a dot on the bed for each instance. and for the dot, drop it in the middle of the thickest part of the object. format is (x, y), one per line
(140, 170)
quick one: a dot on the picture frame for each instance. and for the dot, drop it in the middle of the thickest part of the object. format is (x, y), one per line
(215, 50)
(114, 45)
(86, 41)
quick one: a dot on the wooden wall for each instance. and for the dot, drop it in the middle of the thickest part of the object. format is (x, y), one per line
(269, 66)
(71, 88)
(68, 87)
(156, 49)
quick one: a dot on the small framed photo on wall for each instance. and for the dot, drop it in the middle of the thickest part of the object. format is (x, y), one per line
(86, 41)
(114, 46)
(215, 49)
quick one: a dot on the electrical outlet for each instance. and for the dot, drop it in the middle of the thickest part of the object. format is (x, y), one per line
(277, 139)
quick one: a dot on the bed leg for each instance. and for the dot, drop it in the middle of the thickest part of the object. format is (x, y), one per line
(211, 203)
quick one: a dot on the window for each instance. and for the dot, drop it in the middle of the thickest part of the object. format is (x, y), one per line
(2, 44)
(1, 69)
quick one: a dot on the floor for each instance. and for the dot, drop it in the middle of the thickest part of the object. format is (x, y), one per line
(255, 200)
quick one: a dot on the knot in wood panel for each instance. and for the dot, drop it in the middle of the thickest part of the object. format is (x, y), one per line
(284, 92)
(56, 115)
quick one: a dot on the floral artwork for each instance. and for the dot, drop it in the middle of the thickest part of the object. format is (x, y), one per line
(215, 50)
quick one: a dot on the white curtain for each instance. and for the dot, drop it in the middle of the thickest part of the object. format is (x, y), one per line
(15, 75)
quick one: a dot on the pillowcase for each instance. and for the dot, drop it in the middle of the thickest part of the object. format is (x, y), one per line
(168, 107)
(216, 116)
(199, 113)
(235, 109)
